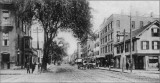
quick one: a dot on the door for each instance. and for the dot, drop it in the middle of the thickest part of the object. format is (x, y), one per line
(5, 60)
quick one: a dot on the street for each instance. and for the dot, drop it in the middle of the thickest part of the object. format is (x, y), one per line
(67, 73)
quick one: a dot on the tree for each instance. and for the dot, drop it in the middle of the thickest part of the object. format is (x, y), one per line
(62, 14)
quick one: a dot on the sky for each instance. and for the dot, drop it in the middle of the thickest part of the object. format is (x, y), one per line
(103, 9)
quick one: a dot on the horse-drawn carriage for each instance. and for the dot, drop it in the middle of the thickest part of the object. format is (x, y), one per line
(83, 64)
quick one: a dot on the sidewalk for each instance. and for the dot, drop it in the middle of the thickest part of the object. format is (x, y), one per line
(146, 73)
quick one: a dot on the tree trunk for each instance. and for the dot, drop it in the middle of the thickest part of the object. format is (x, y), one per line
(45, 59)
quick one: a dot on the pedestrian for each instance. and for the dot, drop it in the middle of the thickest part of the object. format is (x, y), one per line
(28, 68)
(33, 67)
(127, 65)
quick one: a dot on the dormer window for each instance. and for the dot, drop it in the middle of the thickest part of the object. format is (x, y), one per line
(155, 32)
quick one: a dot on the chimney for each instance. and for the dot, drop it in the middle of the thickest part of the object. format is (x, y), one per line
(151, 15)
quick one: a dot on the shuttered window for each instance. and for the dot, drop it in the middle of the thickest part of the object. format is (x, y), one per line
(144, 45)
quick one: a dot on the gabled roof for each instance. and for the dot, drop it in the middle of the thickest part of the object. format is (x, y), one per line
(136, 32)
(139, 31)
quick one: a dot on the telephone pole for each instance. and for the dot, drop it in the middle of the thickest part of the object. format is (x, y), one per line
(124, 37)
(131, 64)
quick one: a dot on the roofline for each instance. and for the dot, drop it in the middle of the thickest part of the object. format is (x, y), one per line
(148, 27)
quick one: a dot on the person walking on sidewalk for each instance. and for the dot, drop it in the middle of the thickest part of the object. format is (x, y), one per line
(33, 66)
(28, 68)
(127, 65)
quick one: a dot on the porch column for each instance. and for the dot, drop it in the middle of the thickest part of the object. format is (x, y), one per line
(146, 63)
(121, 61)
(117, 62)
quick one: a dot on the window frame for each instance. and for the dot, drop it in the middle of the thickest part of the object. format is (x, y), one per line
(147, 45)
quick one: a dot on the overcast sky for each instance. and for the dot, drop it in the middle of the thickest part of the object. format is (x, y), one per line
(103, 9)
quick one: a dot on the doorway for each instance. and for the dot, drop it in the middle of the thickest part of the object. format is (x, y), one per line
(5, 61)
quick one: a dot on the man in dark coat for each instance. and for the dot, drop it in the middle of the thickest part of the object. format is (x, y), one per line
(33, 66)
(28, 68)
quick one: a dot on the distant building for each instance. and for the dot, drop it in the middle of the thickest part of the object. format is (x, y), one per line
(145, 50)
(114, 24)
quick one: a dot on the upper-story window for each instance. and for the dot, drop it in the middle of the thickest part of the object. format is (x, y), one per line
(133, 24)
(144, 45)
(106, 29)
(106, 49)
(111, 35)
(5, 17)
(155, 45)
(105, 38)
(118, 49)
(155, 32)
(5, 41)
(118, 23)
(111, 24)
(141, 24)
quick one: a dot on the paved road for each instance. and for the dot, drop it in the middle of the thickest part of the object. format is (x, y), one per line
(66, 73)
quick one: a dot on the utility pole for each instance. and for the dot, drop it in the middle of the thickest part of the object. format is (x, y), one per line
(131, 64)
(123, 50)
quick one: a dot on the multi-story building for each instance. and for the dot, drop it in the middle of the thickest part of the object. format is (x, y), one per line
(87, 48)
(117, 23)
(15, 48)
(145, 47)
(96, 45)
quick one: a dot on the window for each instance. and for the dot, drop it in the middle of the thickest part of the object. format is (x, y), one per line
(111, 36)
(5, 19)
(133, 46)
(5, 41)
(141, 24)
(133, 24)
(106, 39)
(118, 23)
(111, 24)
(118, 49)
(155, 45)
(105, 49)
(106, 28)
(155, 32)
(108, 48)
(144, 45)
(101, 41)
(111, 47)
